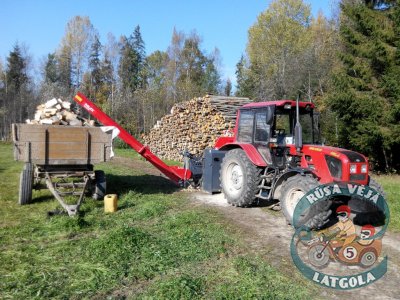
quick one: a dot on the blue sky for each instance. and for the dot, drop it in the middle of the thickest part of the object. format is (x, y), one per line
(223, 24)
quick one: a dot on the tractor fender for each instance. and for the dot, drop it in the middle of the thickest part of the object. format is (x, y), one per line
(251, 152)
(276, 189)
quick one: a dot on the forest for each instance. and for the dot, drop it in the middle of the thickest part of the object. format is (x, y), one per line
(347, 64)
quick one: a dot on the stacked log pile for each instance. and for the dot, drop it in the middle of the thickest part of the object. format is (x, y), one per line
(58, 112)
(193, 125)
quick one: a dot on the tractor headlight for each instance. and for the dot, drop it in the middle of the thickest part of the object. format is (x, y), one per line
(364, 169)
(353, 168)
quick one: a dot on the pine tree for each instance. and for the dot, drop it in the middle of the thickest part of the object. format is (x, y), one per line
(228, 87)
(212, 78)
(244, 86)
(51, 75)
(364, 94)
(95, 78)
(16, 70)
(131, 67)
(19, 98)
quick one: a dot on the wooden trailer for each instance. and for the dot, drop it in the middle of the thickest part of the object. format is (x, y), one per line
(62, 157)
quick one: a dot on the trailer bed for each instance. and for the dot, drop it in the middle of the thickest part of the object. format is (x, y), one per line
(60, 145)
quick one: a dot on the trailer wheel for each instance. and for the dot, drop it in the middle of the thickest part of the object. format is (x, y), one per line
(25, 184)
(239, 178)
(293, 189)
(100, 185)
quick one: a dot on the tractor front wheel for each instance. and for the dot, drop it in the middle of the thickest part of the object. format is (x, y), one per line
(239, 178)
(293, 189)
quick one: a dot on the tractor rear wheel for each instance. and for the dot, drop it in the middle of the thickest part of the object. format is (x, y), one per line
(293, 189)
(239, 178)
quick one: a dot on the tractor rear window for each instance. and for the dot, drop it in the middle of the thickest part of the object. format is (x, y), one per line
(262, 128)
(245, 130)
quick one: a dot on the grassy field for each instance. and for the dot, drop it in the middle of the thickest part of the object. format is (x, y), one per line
(391, 187)
(157, 246)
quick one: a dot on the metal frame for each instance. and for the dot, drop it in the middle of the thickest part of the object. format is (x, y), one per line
(60, 189)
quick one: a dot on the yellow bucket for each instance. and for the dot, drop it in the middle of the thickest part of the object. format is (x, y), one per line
(110, 203)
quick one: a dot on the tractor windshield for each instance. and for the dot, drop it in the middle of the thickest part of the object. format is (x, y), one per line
(285, 121)
(276, 124)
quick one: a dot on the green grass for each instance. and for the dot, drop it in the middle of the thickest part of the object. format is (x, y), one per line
(157, 246)
(391, 187)
(130, 153)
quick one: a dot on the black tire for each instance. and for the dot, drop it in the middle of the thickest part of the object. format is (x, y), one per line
(368, 213)
(239, 178)
(293, 189)
(99, 190)
(26, 184)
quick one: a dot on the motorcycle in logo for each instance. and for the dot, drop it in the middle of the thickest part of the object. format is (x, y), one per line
(339, 230)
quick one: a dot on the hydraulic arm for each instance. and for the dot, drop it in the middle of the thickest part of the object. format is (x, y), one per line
(176, 174)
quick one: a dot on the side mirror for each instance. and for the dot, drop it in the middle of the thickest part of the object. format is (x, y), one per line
(298, 132)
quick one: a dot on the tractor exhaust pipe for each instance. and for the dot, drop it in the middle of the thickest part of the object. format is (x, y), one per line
(298, 132)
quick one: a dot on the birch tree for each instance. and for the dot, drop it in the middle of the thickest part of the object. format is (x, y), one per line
(78, 38)
(276, 43)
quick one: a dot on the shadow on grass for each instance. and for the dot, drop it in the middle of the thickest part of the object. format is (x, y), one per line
(145, 184)
(116, 184)
(42, 198)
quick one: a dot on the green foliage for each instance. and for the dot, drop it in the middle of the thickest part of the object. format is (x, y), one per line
(364, 92)
(16, 95)
(244, 87)
(51, 69)
(288, 53)
(276, 42)
(228, 87)
(131, 66)
(16, 70)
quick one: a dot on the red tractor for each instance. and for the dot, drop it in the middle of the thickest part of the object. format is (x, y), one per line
(274, 153)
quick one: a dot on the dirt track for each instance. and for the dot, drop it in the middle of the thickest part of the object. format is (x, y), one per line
(267, 233)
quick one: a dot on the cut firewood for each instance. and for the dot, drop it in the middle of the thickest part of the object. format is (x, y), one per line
(193, 125)
(58, 112)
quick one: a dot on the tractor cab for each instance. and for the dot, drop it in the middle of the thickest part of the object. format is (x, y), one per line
(269, 127)
(274, 122)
